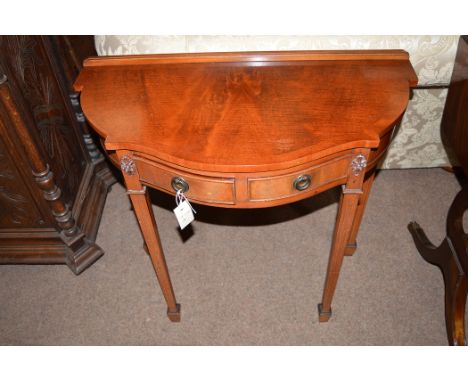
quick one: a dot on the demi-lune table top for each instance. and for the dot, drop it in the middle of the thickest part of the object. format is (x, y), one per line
(245, 112)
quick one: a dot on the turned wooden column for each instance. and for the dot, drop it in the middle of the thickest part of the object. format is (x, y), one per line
(53, 178)
(71, 234)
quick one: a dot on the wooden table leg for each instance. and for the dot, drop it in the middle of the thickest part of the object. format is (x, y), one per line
(456, 288)
(458, 240)
(455, 282)
(366, 187)
(451, 257)
(144, 213)
(347, 215)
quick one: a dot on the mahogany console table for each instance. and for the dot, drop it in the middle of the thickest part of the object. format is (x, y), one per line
(248, 130)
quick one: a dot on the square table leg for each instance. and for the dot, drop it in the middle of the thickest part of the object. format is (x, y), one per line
(366, 187)
(347, 223)
(144, 213)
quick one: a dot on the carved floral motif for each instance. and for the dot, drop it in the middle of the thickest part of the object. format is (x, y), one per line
(16, 207)
(27, 62)
(127, 165)
(358, 164)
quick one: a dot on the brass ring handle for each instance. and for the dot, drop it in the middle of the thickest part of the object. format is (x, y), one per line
(302, 182)
(179, 183)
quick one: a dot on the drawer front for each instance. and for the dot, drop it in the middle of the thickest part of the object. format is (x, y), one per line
(203, 189)
(284, 186)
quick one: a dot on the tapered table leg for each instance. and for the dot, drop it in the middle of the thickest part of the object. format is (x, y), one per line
(351, 246)
(144, 213)
(346, 217)
(344, 222)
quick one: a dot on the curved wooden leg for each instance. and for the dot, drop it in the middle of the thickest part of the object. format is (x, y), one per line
(452, 259)
(366, 187)
(455, 283)
(429, 252)
(456, 288)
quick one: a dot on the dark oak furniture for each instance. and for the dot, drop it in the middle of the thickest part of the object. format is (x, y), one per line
(53, 178)
(248, 130)
(451, 256)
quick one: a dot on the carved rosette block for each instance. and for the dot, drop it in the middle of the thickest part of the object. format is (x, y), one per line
(127, 165)
(358, 164)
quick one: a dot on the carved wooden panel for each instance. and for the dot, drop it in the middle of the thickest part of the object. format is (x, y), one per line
(16, 206)
(53, 180)
(28, 67)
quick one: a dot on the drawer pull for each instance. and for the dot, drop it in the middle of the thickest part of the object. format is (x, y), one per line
(302, 182)
(179, 183)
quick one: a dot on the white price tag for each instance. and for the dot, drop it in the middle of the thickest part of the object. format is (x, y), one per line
(184, 210)
(184, 214)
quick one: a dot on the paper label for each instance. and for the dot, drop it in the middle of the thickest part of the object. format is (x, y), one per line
(184, 214)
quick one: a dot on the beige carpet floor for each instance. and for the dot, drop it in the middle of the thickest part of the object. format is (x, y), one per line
(250, 277)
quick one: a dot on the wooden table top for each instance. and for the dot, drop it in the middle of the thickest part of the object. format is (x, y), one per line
(245, 112)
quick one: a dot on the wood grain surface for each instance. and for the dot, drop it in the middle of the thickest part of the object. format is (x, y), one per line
(267, 111)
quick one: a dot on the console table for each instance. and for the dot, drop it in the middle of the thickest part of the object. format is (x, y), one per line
(248, 130)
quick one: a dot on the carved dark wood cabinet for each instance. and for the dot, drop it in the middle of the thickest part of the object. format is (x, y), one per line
(53, 178)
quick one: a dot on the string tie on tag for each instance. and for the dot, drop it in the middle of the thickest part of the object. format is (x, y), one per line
(180, 197)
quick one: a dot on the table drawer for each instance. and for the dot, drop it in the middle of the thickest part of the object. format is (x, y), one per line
(200, 188)
(309, 179)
